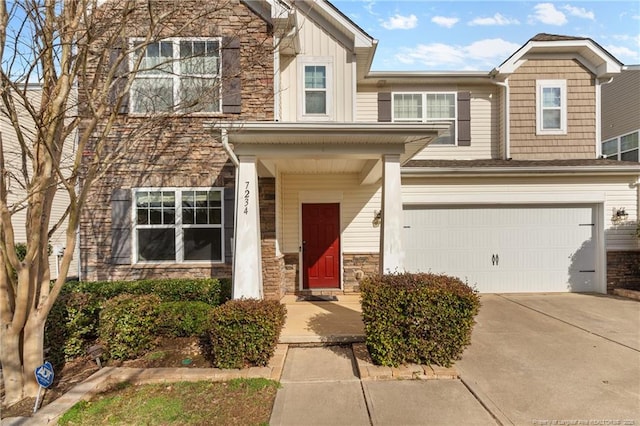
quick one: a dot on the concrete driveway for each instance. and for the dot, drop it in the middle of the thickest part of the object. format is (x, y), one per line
(556, 359)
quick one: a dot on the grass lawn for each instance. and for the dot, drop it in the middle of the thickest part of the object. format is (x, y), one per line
(236, 402)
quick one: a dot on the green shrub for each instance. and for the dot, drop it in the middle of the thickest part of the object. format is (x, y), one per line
(72, 324)
(183, 319)
(245, 332)
(419, 318)
(128, 325)
(207, 290)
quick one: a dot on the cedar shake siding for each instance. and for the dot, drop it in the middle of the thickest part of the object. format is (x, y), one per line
(579, 142)
(180, 152)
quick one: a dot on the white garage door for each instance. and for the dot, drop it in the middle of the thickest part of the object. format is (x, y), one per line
(505, 249)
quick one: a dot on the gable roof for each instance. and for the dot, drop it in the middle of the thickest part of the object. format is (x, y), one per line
(600, 62)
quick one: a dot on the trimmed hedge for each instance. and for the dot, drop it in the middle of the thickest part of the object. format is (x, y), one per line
(417, 318)
(207, 290)
(245, 332)
(127, 325)
(183, 319)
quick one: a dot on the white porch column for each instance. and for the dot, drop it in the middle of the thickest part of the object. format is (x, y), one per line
(247, 258)
(392, 259)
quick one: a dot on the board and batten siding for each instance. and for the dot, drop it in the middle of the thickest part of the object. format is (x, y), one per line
(580, 140)
(616, 193)
(315, 42)
(621, 104)
(358, 204)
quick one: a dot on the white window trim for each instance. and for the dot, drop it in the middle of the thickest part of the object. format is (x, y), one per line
(618, 140)
(540, 85)
(178, 226)
(424, 118)
(176, 73)
(327, 62)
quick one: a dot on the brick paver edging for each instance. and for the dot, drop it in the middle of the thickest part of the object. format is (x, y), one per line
(368, 371)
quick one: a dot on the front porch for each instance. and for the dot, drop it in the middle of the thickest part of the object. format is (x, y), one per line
(337, 321)
(318, 206)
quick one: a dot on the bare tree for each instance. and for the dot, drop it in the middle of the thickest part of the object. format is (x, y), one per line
(89, 57)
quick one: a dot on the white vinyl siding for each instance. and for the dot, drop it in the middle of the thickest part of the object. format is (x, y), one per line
(367, 109)
(614, 192)
(358, 204)
(484, 130)
(315, 42)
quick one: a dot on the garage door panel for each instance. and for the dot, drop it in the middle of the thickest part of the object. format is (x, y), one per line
(505, 249)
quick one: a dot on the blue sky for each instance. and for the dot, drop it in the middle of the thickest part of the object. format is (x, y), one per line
(454, 35)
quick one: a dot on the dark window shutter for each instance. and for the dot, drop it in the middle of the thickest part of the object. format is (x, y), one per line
(384, 107)
(119, 83)
(121, 227)
(231, 76)
(229, 218)
(464, 119)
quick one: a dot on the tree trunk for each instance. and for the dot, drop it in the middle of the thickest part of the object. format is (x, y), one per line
(11, 367)
(32, 353)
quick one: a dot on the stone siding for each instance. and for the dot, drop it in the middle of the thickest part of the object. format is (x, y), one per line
(623, 270)
(178, 150)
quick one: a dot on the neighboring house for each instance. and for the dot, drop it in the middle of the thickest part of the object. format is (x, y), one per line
(621, 115)
(17, 193)
(321, 171)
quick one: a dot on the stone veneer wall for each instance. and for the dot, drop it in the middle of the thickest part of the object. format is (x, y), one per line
(273, 265)
(178, 151)
(623, 270)
(355, 266)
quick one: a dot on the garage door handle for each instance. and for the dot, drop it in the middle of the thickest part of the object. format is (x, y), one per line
(497, 259)
(493, 260)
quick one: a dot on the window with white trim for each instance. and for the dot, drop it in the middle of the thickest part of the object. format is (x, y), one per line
(178, 225)
(316, 88)
(623, 148)
(551, 107)
(427, 107)
(176, 73)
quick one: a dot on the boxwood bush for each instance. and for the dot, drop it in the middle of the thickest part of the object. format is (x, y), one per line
(245, 332)
(128, 325)
(419, 318)
(183, 319)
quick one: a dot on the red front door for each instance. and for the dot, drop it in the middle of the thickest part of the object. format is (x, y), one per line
(321, 245)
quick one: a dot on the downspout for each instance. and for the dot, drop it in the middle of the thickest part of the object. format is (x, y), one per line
(599, 85)
(276, 79)
(227, 148)
(507, 121)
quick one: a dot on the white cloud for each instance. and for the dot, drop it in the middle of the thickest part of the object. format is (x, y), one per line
(548, 14)
(399, 22)
(479, 55)
(624, 54)
(580, 12)
(497, 19)
(368, 6)
(443, 21)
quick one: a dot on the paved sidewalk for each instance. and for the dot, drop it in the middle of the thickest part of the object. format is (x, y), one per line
(321, 386)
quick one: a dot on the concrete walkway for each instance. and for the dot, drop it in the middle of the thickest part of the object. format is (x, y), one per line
(321, 386)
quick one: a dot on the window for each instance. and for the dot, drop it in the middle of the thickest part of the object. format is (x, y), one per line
(177, 73)
(551, 107)
(427, 108)
(315, 96)
(624, 148)
(178, 225)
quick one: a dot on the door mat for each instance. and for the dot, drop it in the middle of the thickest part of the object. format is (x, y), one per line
(314, 298)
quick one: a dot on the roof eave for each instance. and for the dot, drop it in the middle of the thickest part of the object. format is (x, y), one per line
(521, 171)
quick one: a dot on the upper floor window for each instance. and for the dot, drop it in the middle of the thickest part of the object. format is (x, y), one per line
(624, 148)
(178, 225)
(176, 73)
(551, 107)
(316, 89)
(425, 108)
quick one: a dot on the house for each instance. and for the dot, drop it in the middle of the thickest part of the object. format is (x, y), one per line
(16, 181)
(621, 115)
(310, 170)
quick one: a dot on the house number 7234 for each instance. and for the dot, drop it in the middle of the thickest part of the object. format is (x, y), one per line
(246, 197)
